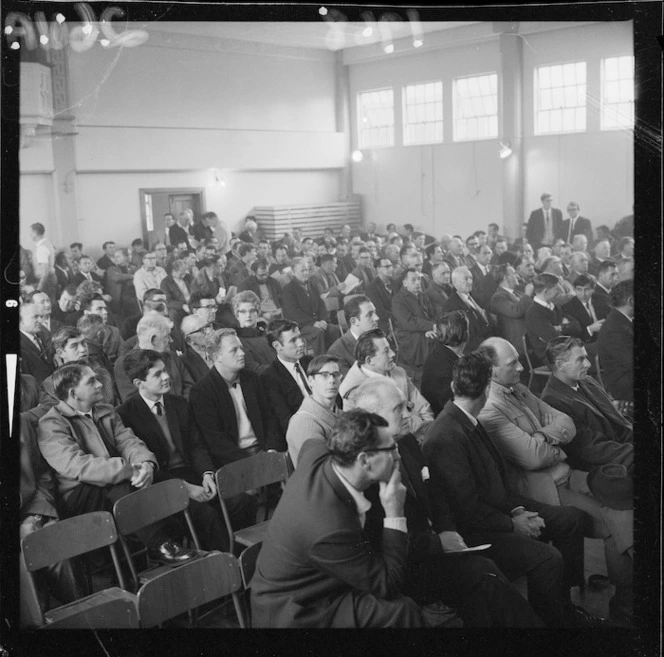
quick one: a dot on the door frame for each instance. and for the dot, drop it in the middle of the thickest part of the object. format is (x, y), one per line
(145, 192)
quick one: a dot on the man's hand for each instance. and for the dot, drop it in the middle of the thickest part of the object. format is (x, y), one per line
(595, 326)
(209, 485)
(143, 474)
(321, 325)
(393, 494)
(547, 419)
(197, 493)
(528, 523)
(452, 542)
(431, 334)
(528, 291)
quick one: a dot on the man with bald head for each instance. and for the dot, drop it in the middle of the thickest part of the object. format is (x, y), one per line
(195, 330)
(454, 256)
(36, 350)
(480, 325)
(473, 585)
(601, 253)
(580, 243)
(578, 265)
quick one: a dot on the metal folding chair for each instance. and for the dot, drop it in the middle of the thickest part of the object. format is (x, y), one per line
(533, 371)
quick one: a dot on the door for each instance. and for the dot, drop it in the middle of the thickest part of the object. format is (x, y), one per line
(155, 203)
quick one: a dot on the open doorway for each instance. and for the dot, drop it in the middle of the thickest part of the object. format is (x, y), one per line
(155, 203)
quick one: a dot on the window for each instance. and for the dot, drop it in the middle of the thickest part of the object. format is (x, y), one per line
(618, 92)
(423, 113)
(560, 98)
(376, 118)
(476, 107)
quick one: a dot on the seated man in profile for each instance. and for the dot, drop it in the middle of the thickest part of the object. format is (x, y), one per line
(316, 568)
(374, 360)
(532, 437)
(97, 460)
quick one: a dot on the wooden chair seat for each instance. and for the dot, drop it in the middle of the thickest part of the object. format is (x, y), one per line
(112, 608)
(156, 569)
(252, 535)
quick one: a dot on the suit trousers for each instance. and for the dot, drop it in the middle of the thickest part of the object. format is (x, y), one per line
(474, 586)
(550, 569)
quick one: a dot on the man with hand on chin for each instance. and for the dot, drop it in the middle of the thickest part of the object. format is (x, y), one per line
(164, 422)
(97, 460)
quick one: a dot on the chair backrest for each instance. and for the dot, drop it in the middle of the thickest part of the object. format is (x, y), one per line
(247, 559)
(393, 335)
(189, 586)
(598, 371)
(68, 538)
(526, 351)
(253, 472)
(149, 505)
(115, 613)
(343, 322)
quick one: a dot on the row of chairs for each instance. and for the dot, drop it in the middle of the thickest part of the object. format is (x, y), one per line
(158, 592)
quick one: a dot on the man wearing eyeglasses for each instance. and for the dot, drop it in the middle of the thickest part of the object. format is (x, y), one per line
(195, 359)
(380, 292)
(316, 568)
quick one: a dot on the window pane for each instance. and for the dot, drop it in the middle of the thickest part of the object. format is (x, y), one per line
(474, 109)
(556, 76)
(423, 111)
(626, 66)
(376, 126)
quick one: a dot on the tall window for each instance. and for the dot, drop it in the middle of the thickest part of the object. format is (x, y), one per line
(376, 118)
(476, 107)
(423, 113)
(618, 92)
(560, 98)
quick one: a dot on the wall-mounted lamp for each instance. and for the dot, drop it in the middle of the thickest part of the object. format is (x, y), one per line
(357, 156)
(505, 150)
(218, 179)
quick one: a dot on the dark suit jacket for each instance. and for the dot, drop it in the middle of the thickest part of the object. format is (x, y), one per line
(615, 346)
(382, 299)
(194, 364)
(602, 434)
(344, 349)
(453, 261)
(510, 311)
(316, 558)
(535, 229)
(214, 412)
(468, 466)
(139, 418)
(174, 297)
(283, 393)
(79, 278)
(413, 317)
(478, 328)
(177, 234)
(423, 542)
(34, 361)
(539, 328)
(437, 377)
(64, 278)
(575, 310)
(251, 283)
(601, 301)
(484, 285)
(303, 305)
(582, 226)
(437, 296)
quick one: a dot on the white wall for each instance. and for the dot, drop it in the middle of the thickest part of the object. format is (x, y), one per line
(457, 187)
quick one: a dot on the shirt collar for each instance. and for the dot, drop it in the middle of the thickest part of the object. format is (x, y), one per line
(361, 503)
(550, 306)
(288, 365)
(467, 414)
(151, 403)
(367, 372)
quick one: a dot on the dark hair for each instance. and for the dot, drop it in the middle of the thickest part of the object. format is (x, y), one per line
(196, 297)
(544, 196)
(326, 257)
(500, 271)
(521, 260)
(261, 263)
(245, 248)
(67, 377)
(471, 375)
(477, 233)
(152, 293)
(277, 327)
(583, 280)
(38, 228)
(137, 242)
(354, 432)
(558, 346)
(317, 363)
(365, 347)
(90, 326)
(544, 282)
(453, 328)
(352, 306)
(74, 245)
(63, 335)
(87, 299)
(209, 215)
(624, 241)
(406, 249)
(69, 289)
(604, 227)
(138, 362)
(494, 225)
(61, 258)
(605, 266)
(621, 292)
(408, 227)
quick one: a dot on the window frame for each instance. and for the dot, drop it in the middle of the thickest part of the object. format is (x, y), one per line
(455, 108)
(405, 124)
(536, 100)
(603, 102)
(360, 129)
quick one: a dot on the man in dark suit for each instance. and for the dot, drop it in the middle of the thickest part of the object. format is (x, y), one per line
(465, 462)
(63, 270)
(603, 435)
(480, 324)
(316, 568)
(229, 405)
(440, 288)
(163, 422)
(380, 292)
(285, 380)
(361, 316)
(302, 304)
(266, 288)
(509, 304)
(544, 319)
(607, 277)
(36, 350)
(544, 224)
(575, 224)
(178, 232)
(195, 330)
(437, 373)
(473, 585)
(484, 285)
(86, 271)
(581, 310)
(454, 256)
(615, 344)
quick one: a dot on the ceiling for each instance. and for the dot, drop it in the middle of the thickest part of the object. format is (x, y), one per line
(319, 35)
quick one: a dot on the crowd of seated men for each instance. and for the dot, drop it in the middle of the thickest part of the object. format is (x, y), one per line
(390, 367)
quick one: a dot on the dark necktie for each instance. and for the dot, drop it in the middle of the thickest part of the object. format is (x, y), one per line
(491, 448)
(110, 447)
(298, 369)
(158, 407)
